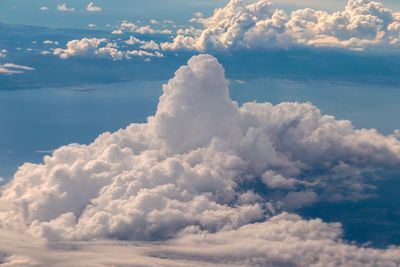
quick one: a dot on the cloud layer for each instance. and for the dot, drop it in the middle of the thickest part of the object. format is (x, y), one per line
(284, 240)
(11, 68)
(362, 24)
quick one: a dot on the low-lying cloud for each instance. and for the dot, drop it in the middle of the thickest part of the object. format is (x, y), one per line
(284, 240)
(361, 25)
(11, 68)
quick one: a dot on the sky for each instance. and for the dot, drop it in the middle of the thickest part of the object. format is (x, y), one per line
(29, 13)
(169, 134)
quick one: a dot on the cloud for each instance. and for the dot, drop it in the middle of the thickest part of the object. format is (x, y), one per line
(45, 53)
(44, 8)
(150, 45)
(363, 24)
(200, 164)
(134, 41)
(91, 7)
(101, 48)
(3, 53)
(142, 53)
(88, 47)
(11, 68)
(50, 42)
(130, 27)
(283, 240)
(64, 8)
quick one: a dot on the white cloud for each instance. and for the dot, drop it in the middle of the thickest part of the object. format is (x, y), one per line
(3, 53)
(44, 8)
(150, 45)
(283, 240)
(101, 48)
(45, 53)
(168, 21)
(11, 68)
(91, 7)
(83, 47)
(88, 47)
(134, 41)
(130, 27)
(185, 171)
(361, 25)
(117, 32)
(64, 8)
(91, 25)
(142, 53)
(50, 42)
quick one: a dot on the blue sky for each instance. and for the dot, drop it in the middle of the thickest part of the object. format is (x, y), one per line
(28, 13)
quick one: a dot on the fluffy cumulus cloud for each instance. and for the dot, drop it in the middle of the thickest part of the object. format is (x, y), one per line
(11, 68)
(64, 8)
(205, 176)
(83, 47)
(129, 27)
(91, 7)
(239, 25)
(102, 48)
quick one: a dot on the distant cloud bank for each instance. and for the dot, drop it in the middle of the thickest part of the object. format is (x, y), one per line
(361, 25)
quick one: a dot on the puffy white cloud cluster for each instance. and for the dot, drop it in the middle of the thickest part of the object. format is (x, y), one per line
(101, 48)
(64, 8)
(91, 7)
(147, 45)
(3, 53)
(11, 68)
(240, 25)
(201, 163)
(129, 27)
(83, 47)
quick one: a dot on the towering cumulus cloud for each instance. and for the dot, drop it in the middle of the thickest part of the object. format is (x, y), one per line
(239, 25)
(204, 164)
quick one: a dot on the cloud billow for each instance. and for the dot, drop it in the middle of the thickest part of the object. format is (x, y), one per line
(203, 164)
(363, 24)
